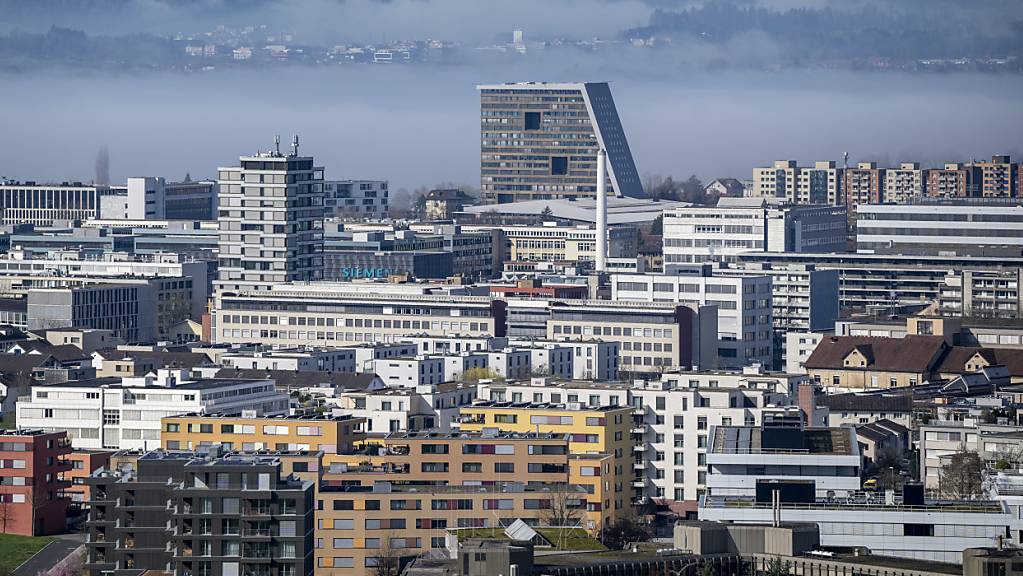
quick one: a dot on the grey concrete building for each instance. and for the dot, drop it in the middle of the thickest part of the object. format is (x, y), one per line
(43, 204)
(271, 221)
(194, 513)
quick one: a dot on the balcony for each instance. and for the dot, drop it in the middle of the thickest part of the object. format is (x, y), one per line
(639, 465)
(256, 533)
(638, 430)
(638, 483)
(639, 448)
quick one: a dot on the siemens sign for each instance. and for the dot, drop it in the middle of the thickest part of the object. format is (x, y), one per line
(352, 272)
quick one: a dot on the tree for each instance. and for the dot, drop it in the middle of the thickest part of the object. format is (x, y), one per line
(474, 375)
(564, 510)
(6, 515)
(775, 567)
(693, 191)
(962, 478)
(657, 228)
(707, 569)
(387, 560)
(626, 530)
(546, 214)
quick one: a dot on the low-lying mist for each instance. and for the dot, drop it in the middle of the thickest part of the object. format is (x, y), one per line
(419, 125)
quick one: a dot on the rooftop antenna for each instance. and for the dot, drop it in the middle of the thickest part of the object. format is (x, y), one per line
(294, 146)
(277, 143)
(845, 160)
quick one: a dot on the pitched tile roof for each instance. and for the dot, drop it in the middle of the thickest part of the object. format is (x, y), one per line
(955, 360)
(916, 354)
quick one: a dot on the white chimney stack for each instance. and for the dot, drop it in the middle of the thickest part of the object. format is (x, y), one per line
(601, 211)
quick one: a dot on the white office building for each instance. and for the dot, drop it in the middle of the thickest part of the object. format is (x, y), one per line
(745, 333)
(736, 225)
(950, 228)
(115, 414)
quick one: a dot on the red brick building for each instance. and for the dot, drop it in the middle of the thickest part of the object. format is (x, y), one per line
(83, 464)
(32, 467)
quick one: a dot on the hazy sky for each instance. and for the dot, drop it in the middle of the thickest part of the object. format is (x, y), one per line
(420, 126)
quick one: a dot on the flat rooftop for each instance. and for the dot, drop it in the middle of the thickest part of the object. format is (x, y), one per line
(490, 405)
(770, 440)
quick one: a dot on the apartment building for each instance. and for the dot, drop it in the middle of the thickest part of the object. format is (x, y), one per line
(980, 294)
(592, 430)
(785, 181)
(953, 181)
(736, 225)
(33, 463)
(948, 227)
(552, 242)
(905, 183)
(510, 363)
(777, 181)
(190, 513)
(355, 199)
(83, 464)
(464, 459)
(270, 218)
(539, 141)
(407, 409)
(112, 413)
(456, 365)
(674, 418)
(999, 177)
(556, 391)
(295, 359)
(43, 204)
(864, 184)
(651, 337)
(803, 297)
(744, 307)
(410, 372)
(359, 526)
(455, 344)
(554, 360)
(325, 433)
(324, 314)
(671, 417)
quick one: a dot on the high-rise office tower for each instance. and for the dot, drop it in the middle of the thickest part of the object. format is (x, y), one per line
(539, 141)
(271, 221)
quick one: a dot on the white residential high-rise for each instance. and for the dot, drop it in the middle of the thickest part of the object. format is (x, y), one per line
(787, 182)
(271, 221)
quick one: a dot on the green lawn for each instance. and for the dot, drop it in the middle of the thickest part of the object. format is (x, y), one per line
(16, 549)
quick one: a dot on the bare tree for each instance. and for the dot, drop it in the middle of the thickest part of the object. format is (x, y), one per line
(564, 511)
(962, 478)
(6, 514)
(387, 560)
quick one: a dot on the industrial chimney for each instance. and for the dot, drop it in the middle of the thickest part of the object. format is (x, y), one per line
(601, 211)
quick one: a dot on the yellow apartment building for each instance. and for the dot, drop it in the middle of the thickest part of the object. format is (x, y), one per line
(590, 430)
(332, 435)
